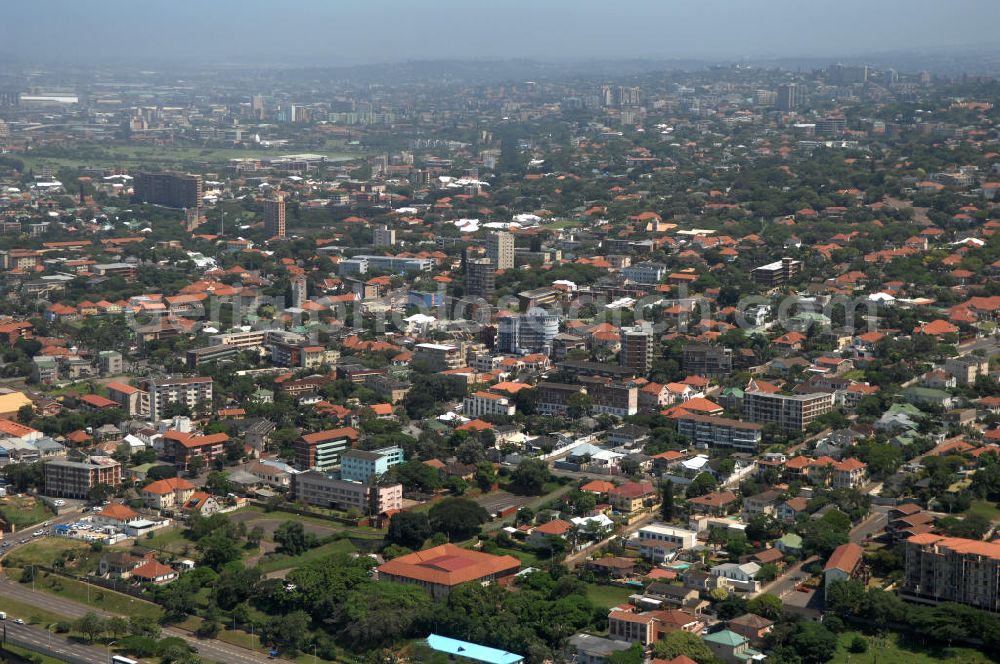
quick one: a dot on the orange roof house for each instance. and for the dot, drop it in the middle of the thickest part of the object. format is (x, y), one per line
(441, 568)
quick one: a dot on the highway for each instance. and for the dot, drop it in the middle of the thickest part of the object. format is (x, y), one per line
(53, 645)
(211, 650)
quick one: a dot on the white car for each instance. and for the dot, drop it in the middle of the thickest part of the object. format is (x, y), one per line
(18, 621)
(59, 503)
(38, 533)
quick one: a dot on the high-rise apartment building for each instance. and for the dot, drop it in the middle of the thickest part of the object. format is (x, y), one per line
(480, 277)
(194, 392)
(637, 350)
(500, 249)
(75, 479)
(527, 333)
(274, 216)
(299, 295)
(790, 412)
(176, 190)
(777, 273)
(952, 569)
(790, 96)
(383, 236)
(322, 450)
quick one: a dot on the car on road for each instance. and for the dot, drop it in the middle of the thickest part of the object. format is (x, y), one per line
(59, 503)
(18, 621)
(38, 533)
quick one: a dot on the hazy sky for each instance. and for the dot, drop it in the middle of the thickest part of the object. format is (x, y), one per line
(332, 32)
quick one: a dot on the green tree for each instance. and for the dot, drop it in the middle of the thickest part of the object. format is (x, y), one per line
(667, 500)
(679, 642)
(766, 605)
(383, 612)
(530, 476)
(289, 632)
(409, 529)
(813, 642)
(459, 518)
(292, 538)
(91, 625)
(633, 655)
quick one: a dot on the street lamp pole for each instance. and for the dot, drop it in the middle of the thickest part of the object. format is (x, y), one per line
(109, 650)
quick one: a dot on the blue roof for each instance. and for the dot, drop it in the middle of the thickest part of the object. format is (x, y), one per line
(472, 650)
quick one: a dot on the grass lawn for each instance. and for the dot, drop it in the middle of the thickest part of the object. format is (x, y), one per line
(361, 531)
(984, 508)
(30, 655)
(608, 596)
(24, 511)
(528, 558)
(281, 561)
(892, 649)
(46, 551)
(170, 540)
(120, 155)
(99, 598)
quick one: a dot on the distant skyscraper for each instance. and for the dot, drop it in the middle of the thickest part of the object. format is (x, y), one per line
(274, 216)
(637, 350)
(500, 249)
(299, 295)
(790, 96)
(480, 277)
(382, 236)
(176, 190)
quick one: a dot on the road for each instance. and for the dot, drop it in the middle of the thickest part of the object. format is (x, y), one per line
(211, 650)
(53, 645)
(208, 649)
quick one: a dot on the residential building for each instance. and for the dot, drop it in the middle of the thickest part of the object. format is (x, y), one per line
(706, 431)
(500, 249)
(110, 362)
(967, 368)
(274, 216)
(646, 273)
(555, 398)
(732, 648)
(649, 627)
(846, 562)
(480, 278)
(167, 493)
(532, 332)
(321, 450)
(170, 189)
(611, 397)
(637, 350)
(330, 491)
(952, 569)
(632, 496)
(682, 538)
(439, 357)
(738, 576)
(75, 479)
(383, 236)
(777, 273)
(299, 291)
(195, 393)
(131, 400)
(790, 412)
(439, 569)
(790, 96)
(364, 465)
(585, 648)
(708, 361)
(478, 404)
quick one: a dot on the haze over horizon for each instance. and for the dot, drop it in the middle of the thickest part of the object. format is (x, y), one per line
(351, 32)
